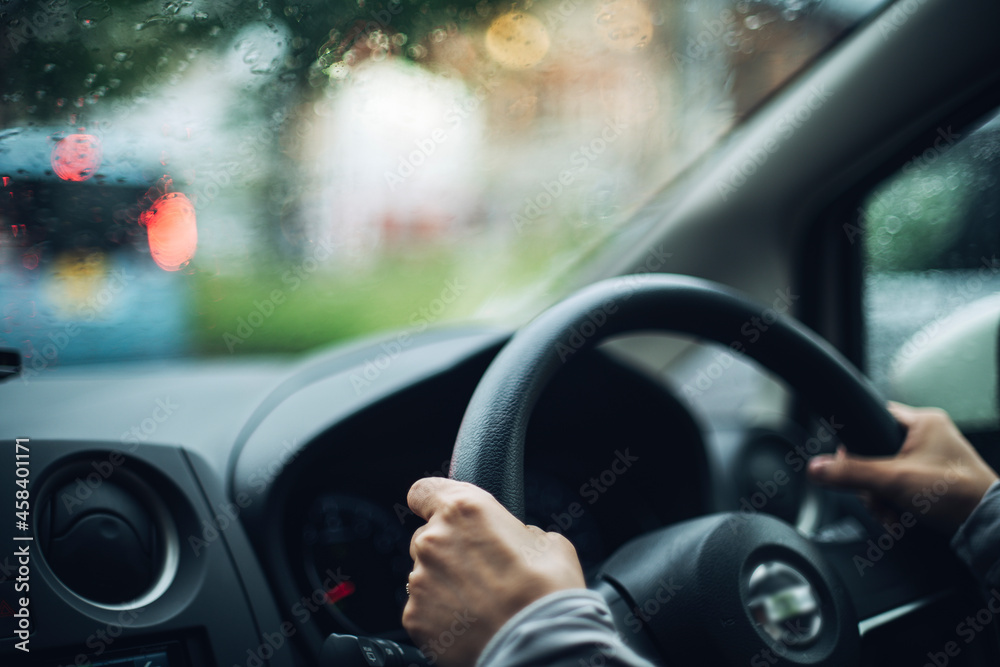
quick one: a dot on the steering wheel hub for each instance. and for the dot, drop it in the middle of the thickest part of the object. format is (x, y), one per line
(784, 604)
(745, 586)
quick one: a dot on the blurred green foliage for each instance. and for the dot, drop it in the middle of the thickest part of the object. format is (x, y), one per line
(941, 209)
(398, 291)
(915, 217)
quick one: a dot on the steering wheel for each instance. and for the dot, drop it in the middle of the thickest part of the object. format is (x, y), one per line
(718, 589)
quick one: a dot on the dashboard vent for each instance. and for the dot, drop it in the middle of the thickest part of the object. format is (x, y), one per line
(101, 540)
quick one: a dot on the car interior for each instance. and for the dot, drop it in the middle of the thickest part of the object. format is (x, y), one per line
(656, 402)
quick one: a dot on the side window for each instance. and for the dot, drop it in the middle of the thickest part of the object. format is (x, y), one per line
(931, 282)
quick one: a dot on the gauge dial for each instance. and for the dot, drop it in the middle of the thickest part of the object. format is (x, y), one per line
(368, 547)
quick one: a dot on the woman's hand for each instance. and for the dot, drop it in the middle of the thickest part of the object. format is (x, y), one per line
(937, 473)
(475, 566)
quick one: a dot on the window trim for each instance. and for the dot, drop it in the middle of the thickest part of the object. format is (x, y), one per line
(830, 258)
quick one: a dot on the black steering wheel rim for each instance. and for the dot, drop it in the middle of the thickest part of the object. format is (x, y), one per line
(489, 451)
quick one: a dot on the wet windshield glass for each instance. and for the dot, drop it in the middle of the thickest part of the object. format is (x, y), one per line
(205, 178)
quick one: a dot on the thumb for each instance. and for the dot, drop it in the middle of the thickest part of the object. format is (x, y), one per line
(853, 472)
(905, 414)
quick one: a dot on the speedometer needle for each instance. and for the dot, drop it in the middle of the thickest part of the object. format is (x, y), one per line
(339, 592)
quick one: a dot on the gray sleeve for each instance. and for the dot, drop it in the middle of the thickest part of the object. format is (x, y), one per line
(977, 541)
(563, 629)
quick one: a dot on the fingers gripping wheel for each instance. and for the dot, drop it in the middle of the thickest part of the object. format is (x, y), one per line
(489, 451)
(744, 587)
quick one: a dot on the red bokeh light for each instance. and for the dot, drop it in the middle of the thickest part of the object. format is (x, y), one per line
(172, 230)
(76, 157)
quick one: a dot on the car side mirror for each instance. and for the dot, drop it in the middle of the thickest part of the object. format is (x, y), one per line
(952, 363)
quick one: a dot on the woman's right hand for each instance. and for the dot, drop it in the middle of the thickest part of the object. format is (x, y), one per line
(937, 474)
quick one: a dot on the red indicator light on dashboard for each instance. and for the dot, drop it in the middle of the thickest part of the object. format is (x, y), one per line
(339, 592)
(76, 157)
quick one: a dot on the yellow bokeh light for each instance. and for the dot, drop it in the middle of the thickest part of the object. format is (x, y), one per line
(517, 40)
(75, 280)
(625, 25)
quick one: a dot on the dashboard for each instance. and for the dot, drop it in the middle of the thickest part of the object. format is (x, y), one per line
(186, 510)
(602, 441)
(237, 512)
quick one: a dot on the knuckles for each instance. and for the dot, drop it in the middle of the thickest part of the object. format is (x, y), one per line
(563, 543)
(935, 420)
(462, 506)
(412, 617)
(428, 542)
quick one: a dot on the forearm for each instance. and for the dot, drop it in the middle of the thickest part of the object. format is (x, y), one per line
(564, 629)
(977, 541)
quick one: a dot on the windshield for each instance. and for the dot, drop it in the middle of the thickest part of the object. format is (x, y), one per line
(210, 178)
